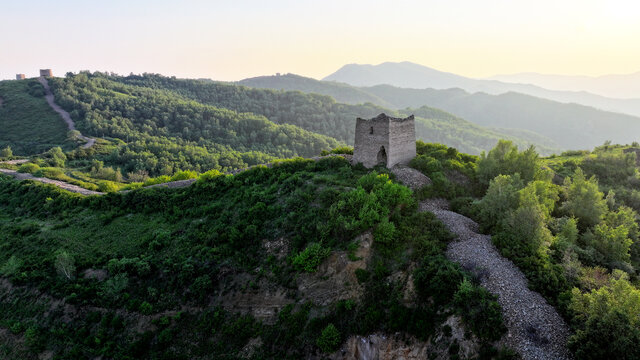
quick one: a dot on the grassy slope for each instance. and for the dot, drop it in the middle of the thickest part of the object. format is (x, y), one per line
(28, 124)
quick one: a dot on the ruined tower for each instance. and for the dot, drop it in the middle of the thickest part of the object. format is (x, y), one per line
(20, 77)
(46, 73)
(384, 140)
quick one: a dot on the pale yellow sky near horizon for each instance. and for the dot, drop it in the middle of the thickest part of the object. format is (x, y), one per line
(226, 40)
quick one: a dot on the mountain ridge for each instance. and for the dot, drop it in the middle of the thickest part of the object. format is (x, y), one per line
(411, 75)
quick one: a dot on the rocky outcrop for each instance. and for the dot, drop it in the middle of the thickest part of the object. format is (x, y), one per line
(535, 329)
(335, 278)
(398, 346)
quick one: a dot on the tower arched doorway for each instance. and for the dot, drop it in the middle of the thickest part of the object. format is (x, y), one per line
(382, 156)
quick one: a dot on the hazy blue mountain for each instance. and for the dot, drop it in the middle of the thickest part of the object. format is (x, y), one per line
(432, 125)
(539, 121)
(624, 86)
(410, 75)
(570, 125)
(341, 92)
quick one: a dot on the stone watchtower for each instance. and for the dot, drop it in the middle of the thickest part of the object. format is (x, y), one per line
(46, 73)
(20, 76)
(384, 140)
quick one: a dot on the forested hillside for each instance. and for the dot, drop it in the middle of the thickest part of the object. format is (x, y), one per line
(341, 92)
(29, 125)
(324, 115)
(163, 132)
(535, 120)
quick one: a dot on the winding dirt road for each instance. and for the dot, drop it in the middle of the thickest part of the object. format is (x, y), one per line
(65, 115)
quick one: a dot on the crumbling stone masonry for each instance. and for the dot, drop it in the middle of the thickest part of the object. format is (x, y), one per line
(384, 140)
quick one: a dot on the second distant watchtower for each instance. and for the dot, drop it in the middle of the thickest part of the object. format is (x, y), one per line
(384, 140)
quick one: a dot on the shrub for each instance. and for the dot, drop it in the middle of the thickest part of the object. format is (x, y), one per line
(505, 159)
(438, 278)
(426, 164)
(28, 168)
(479, 310)
(309, 259)
(184, 175)
(6, 152)
(584, 200)
(65, 265)
(55, 157)
(329, 339)
(108, 186)
(339, 150)
(11, 266)
(146, 308)
(384, 233)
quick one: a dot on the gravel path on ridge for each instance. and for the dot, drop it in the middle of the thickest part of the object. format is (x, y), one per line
(534, 328)
(60, 184)
(65, 115)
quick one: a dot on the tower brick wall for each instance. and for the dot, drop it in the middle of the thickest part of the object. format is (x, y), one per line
(384, 140)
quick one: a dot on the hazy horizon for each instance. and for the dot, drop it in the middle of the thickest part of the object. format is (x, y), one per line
(232, 41)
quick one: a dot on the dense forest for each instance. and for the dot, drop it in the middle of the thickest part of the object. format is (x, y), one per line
(322, 114)
(164, 132)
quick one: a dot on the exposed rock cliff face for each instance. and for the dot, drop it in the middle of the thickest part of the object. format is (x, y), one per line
(334, 280)
(398, 347)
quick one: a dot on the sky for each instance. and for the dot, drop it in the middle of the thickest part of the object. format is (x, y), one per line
(235, 39)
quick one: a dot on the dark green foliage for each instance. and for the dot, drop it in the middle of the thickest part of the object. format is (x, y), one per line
(609, 337)
(329, 339)
(479, 310)
(438, 278)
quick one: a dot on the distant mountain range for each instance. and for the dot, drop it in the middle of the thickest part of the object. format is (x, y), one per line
(410, 75)
(625, 86)
(560, 125)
